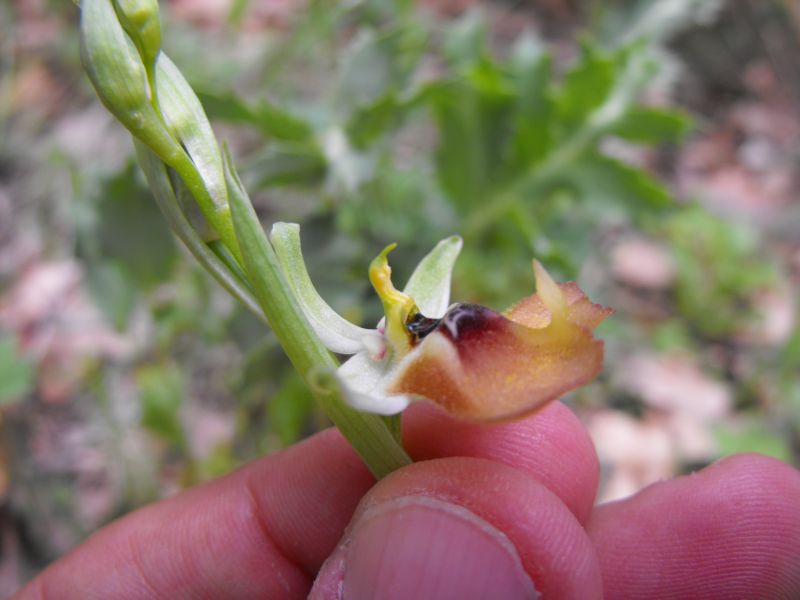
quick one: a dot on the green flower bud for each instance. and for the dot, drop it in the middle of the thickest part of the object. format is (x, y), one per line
(188, 123)
(141, 20)
(118, 75)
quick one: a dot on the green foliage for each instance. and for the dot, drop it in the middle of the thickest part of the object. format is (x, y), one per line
(161, 391)
(128, 247)
(289, 409)
(719, 271)
(16, 372)
(752, 437)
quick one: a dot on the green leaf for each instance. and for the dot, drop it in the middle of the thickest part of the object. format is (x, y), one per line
(474, 121)
(296, 165)
(376, 64)
(466, 39)
(130, 231)
(587, 85)
(653, 125)
(16, 372)
(607, 181)
(460, 160)
(114, 289)
(532, 138)
(270, 119)
(289, 409)
(161, 396)
(375, 119)
(753, 438)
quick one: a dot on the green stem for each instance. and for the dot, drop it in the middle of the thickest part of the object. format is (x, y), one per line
(165, 197)
(368, 433)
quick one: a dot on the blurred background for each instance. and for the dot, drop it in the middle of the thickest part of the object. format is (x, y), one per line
(647, 149)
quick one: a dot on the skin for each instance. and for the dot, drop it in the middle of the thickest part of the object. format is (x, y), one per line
(729, 531)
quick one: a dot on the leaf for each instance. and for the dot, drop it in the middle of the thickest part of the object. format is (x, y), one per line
(532, 138)
(474, 120)
(296, 165)
(465, 40)
(16, 372)
(460, 161)
(131, 231)
(377, 64)
(161, 396)
(375, 119)
(114, 289)
(587, 85)
(753, 438)
(289, 409)
(270, 119)
(653, 125)
(607, 181)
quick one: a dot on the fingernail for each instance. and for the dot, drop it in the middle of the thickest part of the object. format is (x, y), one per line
(423, 548)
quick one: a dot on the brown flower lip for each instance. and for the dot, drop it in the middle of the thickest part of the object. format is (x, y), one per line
(482, 365)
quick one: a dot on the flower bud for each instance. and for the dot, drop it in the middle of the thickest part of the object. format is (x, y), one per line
(118, 74)
(187, 122)
(140, 20)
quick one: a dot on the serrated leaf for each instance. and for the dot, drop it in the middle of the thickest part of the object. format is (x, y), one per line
(532, 137)
(377, 64)
(587, 85)
(460, 160)
(604, 180)
(271, 120)
(653, 125)
(375, 119)
(301, 165)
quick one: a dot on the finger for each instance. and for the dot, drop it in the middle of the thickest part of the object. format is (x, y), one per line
(729, 531)
(461, 528)
(261, 532)
(551, 446)
(288, 511)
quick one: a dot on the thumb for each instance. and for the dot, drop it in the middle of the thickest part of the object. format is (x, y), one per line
(460, 528)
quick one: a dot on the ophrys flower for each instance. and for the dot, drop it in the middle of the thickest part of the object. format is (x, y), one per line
(472, 361)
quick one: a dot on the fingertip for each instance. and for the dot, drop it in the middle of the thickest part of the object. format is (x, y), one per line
(552, 446)
(730, 530)
(418, 510)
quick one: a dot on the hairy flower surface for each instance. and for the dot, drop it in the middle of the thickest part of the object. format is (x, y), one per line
(475, 363)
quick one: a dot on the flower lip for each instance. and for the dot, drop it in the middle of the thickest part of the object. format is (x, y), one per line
(462, 320)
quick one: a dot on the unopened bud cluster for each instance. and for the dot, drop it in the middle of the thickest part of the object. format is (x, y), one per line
(146, 92)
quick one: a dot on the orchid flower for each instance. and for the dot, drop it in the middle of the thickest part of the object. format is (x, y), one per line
(473, 362)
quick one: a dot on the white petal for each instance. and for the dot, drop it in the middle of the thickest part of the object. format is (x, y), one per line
(361, 379)
(429, 284)
(337, 333)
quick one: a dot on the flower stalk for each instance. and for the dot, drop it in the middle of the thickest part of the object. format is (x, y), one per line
(145, 91)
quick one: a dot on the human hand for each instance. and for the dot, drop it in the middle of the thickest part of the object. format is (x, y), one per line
(491, 512)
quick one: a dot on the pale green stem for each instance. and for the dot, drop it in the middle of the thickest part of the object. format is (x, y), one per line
(165, 197)
(368, 433)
